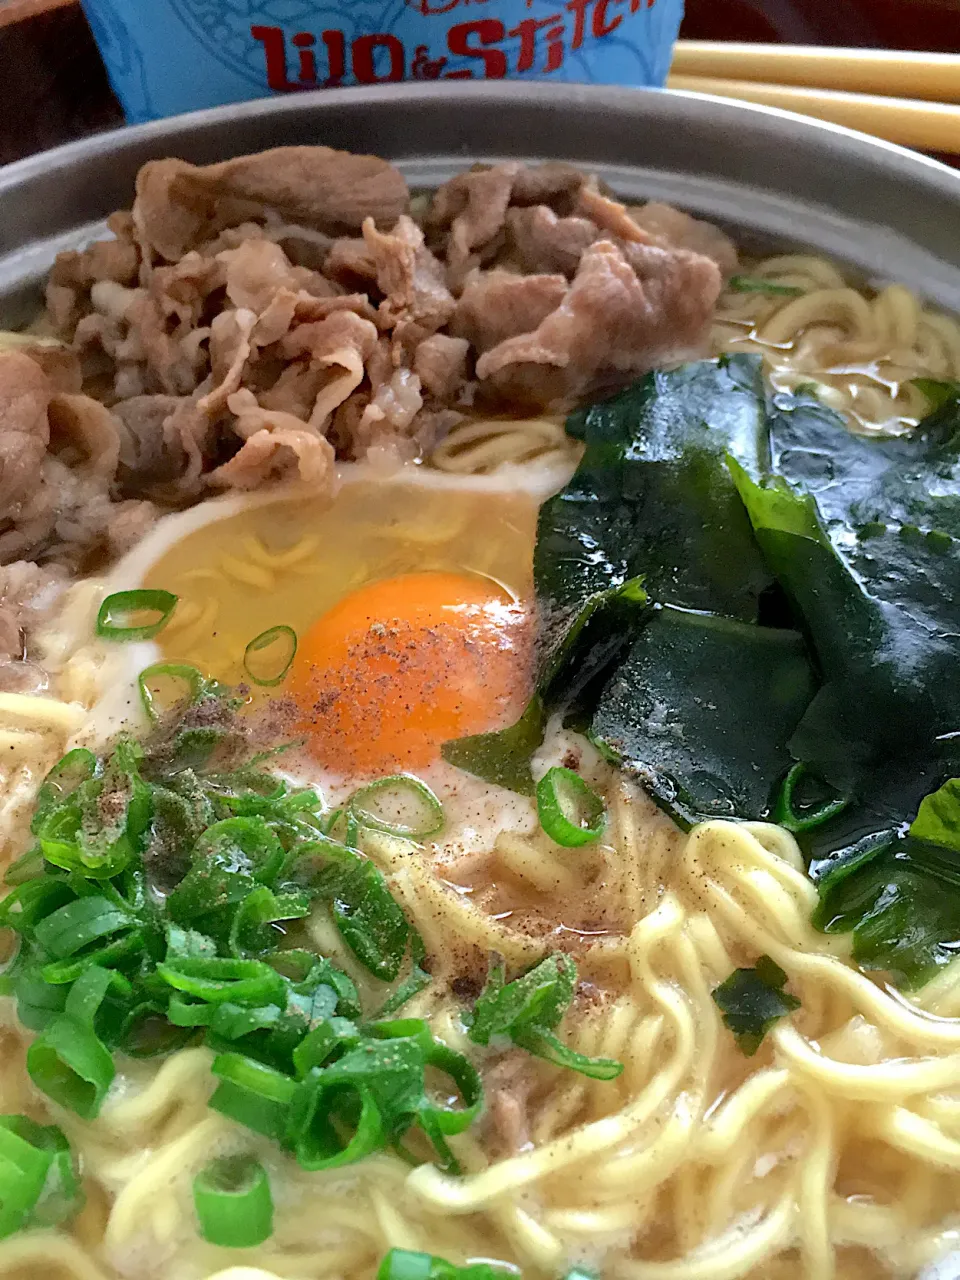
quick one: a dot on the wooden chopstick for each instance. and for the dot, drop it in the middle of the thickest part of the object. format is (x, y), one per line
(928, 126)
(934, 76)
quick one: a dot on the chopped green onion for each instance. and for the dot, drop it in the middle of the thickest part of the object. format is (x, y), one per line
(170, 675)
(407, 797)
(38, 1003)
(152, 916)
(795, 820)
(67, 931)
(69, 1063)
(25, 868)
(63, 780)
(753, 284)
(268, 656)
(38, 1179)
(215, 980)
(233, 1203)
(253, 1094)
(407, 1264)
(113, 619)
(571, 813)
(31, 902)
(326, 1137)
(232, 1021)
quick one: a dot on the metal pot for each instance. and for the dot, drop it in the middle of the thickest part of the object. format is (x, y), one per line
(775, 178)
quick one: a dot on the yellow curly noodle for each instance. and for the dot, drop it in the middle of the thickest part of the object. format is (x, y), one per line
(490, 445)
(861, 349)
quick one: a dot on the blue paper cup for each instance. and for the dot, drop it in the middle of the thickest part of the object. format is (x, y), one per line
(167, 56)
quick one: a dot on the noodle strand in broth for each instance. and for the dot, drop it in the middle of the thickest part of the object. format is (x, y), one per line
(861, 351)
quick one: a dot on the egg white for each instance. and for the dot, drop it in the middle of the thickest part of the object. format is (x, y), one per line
(473, 809)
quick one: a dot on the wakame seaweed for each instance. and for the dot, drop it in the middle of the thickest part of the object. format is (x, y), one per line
(733, 586)
(652, 520)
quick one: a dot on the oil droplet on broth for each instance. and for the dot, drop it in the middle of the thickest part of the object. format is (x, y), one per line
(288, 563)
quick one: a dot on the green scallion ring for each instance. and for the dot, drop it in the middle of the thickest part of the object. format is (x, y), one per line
(178, 671)
(233, 1203)
(794, 821)
(357, 807)
(284, 640)
(124, 603)
(409, 1264)
(571, 813)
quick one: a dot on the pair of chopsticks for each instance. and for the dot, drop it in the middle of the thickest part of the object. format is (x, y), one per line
(859, 88)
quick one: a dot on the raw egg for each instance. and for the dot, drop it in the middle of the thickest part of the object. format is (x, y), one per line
(410, 597)
(400, 666)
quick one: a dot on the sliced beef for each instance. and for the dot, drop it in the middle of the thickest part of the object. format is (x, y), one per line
(542, 242)
(25, 394)
(440, 362)
(87, 432)
(248, 310)
(166, 359)
(610, 216)
(179, 205)
(496, 305)
(277, 446)
(256, 270)
(472, 209)
(673, 227)
(28, 594)
(350, 263)
(55, 358)
(627, 310)
(181, 289)
(230, 349)
(554, 183)
(417, 301)
(150, 454)
(340, 346)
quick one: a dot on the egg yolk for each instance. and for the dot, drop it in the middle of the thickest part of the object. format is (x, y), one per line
(400, 666)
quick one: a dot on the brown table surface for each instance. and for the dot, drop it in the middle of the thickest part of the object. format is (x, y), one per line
(54, 87)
